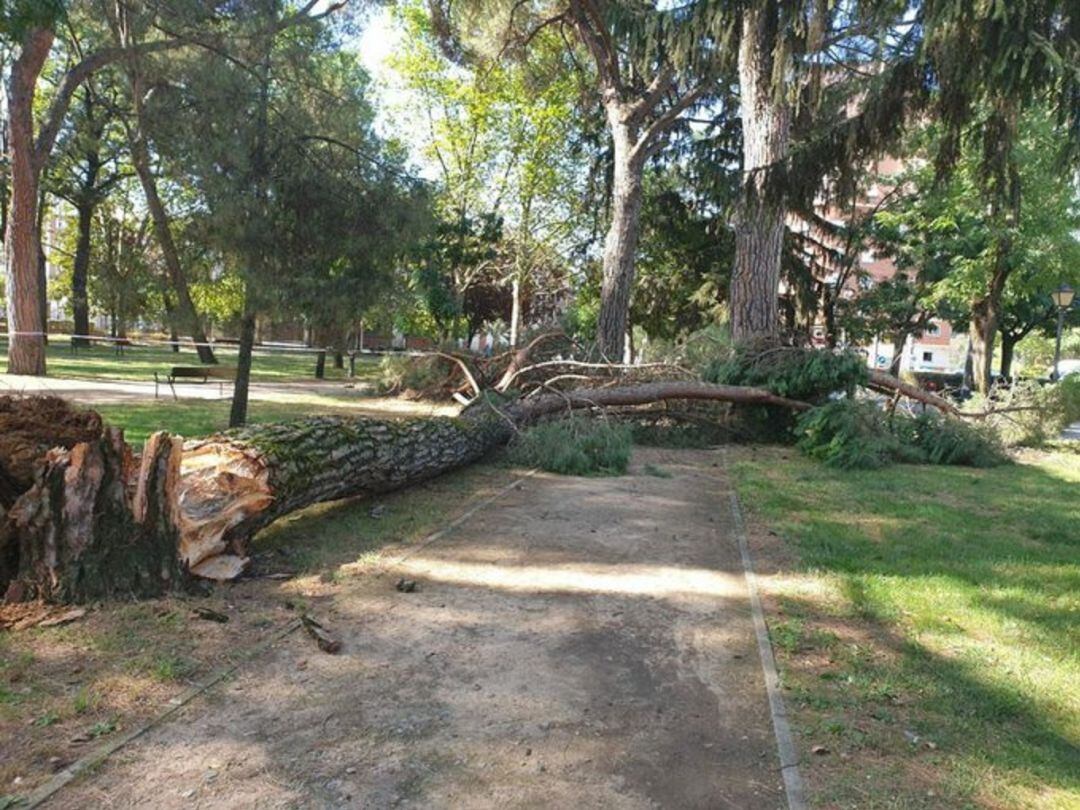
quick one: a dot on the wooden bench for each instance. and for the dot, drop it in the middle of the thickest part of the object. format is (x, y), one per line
(195, 374)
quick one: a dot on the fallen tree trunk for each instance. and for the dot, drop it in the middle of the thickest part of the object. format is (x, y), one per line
(94, 525)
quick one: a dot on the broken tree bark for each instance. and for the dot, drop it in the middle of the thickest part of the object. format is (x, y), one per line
(82, 532)
(93, 526)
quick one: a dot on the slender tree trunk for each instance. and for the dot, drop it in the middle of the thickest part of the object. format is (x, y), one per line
(26, 327)
(170, 317)
(983, 329)
(620, 245)
(1008, 352)
(42, 272)
(185, 307)
(238, 412)
(515, 311)
(828, 309)
(759, 218)
(985, 317)
(897, 354)
(80, 272)
(1004, 216)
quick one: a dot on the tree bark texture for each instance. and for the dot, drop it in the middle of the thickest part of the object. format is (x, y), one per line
(26, 326)
(759, 218)
(897, 360)
(1008, 352)
(80, 274)
(95, 525)
(983, 330)
(620, 245)
(238, 410)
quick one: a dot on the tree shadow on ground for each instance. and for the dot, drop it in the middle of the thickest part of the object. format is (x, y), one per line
(966, 586)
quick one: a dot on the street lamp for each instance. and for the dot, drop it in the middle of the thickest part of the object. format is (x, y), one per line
(1063, 298)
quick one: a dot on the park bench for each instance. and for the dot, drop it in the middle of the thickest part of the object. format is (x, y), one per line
(195, 374)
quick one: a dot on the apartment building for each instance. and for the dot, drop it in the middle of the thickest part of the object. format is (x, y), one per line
(939, 349)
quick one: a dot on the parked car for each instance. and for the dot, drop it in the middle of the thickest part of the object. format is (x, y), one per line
(1069, 368)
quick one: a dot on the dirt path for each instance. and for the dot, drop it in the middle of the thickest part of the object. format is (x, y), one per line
(582, 643)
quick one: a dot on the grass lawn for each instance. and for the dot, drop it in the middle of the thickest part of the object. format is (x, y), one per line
(927, 621)
(195, 417)
(192, 418)
(139, 363)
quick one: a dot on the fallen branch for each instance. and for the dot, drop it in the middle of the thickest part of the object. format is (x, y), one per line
(886, 383)
(613, 367)
(521, 357)
(464, 370)
(646, 393)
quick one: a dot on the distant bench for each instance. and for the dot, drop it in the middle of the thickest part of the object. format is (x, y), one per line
(195, 374)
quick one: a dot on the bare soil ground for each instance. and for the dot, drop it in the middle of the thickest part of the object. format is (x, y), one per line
(583, 642)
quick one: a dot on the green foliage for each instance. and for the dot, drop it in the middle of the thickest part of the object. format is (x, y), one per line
(1031, 414)
(939, 439)
(809, 375)
(575, 447)
(683, 262)
(847, 434)
(19, 16)
(1036, 351)
(852, 434)
(940, 231)
(499, 133)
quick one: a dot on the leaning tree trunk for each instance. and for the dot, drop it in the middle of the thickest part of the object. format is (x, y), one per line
(620, 245)
(185, 306)
(25, 294)
(93, 526)
(759, 218)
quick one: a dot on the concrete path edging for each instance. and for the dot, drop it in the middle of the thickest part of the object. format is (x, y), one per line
(785, 744)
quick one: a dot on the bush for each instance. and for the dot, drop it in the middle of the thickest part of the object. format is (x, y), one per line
(851, 434)
(575, 447)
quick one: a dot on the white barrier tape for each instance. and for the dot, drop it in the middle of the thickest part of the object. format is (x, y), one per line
(182, 342)
(186, 343)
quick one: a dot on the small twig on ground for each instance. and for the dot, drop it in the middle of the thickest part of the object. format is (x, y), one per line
(326, 642)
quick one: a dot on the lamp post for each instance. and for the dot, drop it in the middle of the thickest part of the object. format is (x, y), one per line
(1063, 298)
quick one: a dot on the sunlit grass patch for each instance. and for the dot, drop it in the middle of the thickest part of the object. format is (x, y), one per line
(927, 621)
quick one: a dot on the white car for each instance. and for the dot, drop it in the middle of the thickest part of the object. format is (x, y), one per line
(1068, 368)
